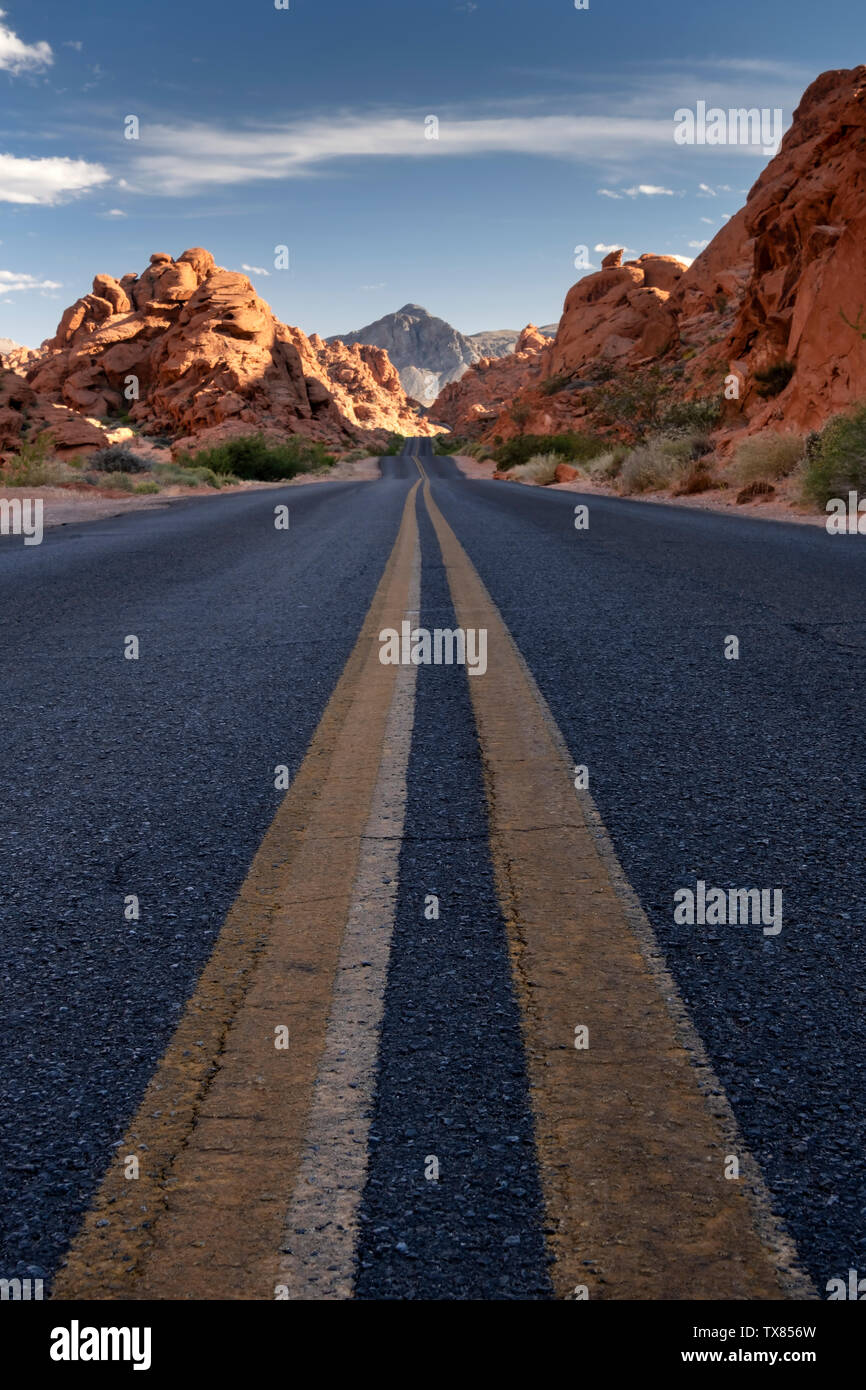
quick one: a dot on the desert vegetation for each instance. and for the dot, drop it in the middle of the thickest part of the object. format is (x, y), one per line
(118, 467)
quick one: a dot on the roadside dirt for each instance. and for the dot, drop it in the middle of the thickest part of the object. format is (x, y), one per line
(782, 506)
(63, 505)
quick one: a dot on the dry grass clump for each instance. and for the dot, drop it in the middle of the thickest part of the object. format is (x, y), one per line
(768, 456)
(540, 468)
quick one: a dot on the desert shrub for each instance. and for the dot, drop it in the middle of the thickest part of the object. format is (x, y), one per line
(178, 475)
(658, 463)
(552, 384)
(149, 487)
(252, 457)
(541, 468)
(122, 481)
(117, 458)
(570, 448)
(697, 479)
(395, 445)
(698, 416)
(445, 444)
(759, 488)
(34, 465)
(631, 403)
(605, 467)
(767, 456)
(774, 379)
(836, 458)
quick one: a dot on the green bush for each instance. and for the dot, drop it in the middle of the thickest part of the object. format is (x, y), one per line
(570, 448)
(767, 456)
(634, 404)
(836, 458)
(122, 481)
(34, 465)
(145, 488)
(176, 475)
(700, 415)
(253, 458)
(444, 444)
(395, 445)
(117, 458)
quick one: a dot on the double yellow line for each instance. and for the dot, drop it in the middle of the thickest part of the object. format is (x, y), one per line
(633, 1133)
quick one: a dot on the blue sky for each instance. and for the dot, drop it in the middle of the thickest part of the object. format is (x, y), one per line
(305, 127)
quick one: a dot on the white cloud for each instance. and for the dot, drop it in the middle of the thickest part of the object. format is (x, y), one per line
(182, 158)
(380, 286)
(17, 56)
(607, 193)
(73, 43)
(649, 190)
(614, 246)
(115, 212)
(11, 281)
(254, 269)
(708, 220)
(46, 181)
(698, 245)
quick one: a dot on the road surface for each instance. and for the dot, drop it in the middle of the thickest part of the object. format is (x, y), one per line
(321, 976)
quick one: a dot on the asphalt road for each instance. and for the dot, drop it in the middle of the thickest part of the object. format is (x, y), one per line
(155, 778)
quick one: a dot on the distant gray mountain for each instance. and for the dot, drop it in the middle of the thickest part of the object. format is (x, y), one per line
(428, 352)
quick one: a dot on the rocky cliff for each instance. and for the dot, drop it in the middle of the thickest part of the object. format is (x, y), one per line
(773, 311)
(191, 351)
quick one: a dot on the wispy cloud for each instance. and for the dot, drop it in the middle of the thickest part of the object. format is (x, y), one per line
(12, 282)
(182, 158)
(47, 181)
(254, 269)
(17, 56)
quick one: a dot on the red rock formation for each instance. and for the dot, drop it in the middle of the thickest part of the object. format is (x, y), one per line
(208, 358)
(619, 313)
(20, 359)
(468, 405)
(783, 281)
(26, 414)
(805, 300)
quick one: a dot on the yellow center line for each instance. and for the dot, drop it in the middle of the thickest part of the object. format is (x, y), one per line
(634, 1134)
(219, 1136)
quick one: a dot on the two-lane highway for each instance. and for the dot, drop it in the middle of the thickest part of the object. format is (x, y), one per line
(431, 912)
